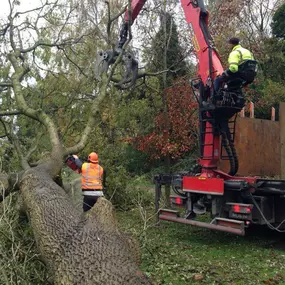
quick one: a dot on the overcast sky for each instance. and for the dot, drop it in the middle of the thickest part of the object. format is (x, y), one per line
(25, 5)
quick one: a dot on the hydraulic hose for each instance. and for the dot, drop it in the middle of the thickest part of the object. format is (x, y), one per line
(229, 146)
(176, 190)
(231, 152)
(235, 157)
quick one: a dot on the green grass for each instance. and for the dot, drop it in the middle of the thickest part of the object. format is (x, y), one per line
(178, 254)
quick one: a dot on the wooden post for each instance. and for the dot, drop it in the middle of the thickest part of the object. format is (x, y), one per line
(242, 114)
(157, 197)
(251, 110)
(272, 114)
(282, 138)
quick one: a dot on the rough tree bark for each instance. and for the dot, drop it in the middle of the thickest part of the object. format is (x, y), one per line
(78, 248)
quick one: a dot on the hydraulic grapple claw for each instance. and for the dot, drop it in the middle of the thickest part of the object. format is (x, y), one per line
(103, 60)
(131, 72)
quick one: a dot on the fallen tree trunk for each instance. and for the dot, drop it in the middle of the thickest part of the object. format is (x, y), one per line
(78, 248)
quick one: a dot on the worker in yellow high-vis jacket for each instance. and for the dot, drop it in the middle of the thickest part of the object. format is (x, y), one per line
(241, 64)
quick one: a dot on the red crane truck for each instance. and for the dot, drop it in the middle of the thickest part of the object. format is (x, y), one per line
(234, 202)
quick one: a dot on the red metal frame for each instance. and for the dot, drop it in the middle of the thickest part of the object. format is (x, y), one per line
(224, 225)
(211, 181)
(203, 185)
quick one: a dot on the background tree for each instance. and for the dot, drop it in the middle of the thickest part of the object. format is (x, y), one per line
(168, 55)
(183, 123)
(166, 41)
(278, 22)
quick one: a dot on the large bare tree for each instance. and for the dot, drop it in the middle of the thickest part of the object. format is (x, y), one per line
(42, 48)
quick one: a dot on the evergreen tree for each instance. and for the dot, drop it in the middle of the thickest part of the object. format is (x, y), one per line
(274, 64)
(166, 42)
(278, 22)
(168, 55)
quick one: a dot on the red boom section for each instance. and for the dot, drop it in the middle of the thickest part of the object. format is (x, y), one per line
(136, 8)
(209, 67)
(197, 18)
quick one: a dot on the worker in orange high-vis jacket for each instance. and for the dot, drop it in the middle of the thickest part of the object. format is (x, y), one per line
(91, 182)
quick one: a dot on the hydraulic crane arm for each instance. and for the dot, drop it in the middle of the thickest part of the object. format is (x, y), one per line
(136, 7)
(197, 19)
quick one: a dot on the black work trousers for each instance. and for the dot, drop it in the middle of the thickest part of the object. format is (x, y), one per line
(220, 80)
(89, 202)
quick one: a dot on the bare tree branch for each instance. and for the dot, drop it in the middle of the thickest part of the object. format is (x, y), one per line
(10, 183)
(9, 113)
(42, 43)
(14, 140)
(33, 10)
(24, 163)
(112, 19)
(79, 68)
(4, 30)
(5, 84)
(33, 148)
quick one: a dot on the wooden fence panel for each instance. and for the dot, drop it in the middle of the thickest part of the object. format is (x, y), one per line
(258, 147)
